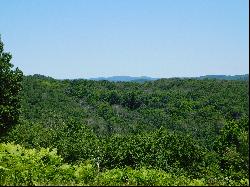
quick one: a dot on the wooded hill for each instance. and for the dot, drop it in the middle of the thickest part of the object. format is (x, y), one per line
(185, 127)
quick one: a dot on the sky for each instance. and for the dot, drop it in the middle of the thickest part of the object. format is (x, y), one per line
(100, 38)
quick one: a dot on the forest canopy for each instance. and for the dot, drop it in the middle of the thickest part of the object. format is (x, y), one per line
(87, 132)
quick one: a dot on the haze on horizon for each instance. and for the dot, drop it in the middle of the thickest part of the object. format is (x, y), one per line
(156, 38)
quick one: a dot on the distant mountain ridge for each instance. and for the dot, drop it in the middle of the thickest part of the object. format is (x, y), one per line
(142, 79)
(125, 79)
(226, 77)
(146, 78)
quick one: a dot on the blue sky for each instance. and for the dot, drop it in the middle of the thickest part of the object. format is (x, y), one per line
(157, 38)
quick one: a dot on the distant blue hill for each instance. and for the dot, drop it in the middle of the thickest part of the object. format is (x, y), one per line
(125, 79)
(145, 78)
(226, 77)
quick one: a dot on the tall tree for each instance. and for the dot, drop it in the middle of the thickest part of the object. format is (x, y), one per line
(10, 86)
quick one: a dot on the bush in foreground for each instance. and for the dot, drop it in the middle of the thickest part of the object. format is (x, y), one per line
(20, 166)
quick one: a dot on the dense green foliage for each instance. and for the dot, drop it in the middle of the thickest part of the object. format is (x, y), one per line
(20, 166)
(162, 132)
(10, 85)
(197, 129)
